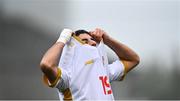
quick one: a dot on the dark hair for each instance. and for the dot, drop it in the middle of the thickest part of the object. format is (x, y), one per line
(78, 32)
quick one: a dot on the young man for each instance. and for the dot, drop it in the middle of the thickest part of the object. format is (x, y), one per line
(86, 80)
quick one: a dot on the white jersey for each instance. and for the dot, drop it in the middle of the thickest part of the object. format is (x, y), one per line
(85, 72)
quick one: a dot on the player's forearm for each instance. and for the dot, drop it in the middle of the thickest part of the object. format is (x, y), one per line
(123, 52)
(51, 57)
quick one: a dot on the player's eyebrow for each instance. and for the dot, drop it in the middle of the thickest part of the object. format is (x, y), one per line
(92, 39)
(84, 39)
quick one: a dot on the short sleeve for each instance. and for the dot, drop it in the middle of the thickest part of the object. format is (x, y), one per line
(61, 82)
(116, 71)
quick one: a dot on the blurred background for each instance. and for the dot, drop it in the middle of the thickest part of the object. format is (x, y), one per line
(150, 27)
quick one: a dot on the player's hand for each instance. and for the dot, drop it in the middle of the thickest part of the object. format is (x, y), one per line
(65, 36)
(98, 34)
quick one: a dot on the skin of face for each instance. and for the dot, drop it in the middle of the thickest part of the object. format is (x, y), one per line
(87, 39)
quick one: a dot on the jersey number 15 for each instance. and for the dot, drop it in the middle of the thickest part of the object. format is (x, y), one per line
(106, 85)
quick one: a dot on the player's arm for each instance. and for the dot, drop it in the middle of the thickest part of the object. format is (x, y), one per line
(129, 58)
(50, 60)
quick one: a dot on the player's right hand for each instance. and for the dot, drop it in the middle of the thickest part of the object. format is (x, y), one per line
(65, 36)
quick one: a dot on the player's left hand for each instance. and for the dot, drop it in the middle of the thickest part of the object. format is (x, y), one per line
(98, 34)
